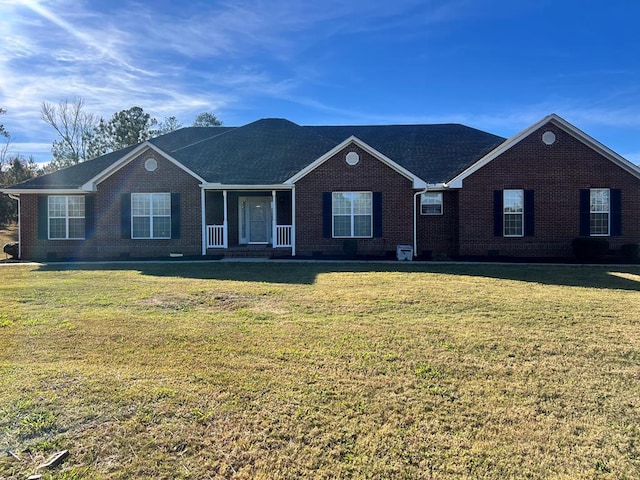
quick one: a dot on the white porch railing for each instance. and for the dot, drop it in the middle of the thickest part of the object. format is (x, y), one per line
(283, 236)
(215, 236)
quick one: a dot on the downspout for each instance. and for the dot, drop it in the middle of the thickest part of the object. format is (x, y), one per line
(17, 198)
(415, 221)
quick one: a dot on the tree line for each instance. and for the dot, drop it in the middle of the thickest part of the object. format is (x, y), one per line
(81, 136)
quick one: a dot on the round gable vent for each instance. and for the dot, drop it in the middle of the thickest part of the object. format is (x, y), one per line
(549, 138)
(151, 164)
(352, 158)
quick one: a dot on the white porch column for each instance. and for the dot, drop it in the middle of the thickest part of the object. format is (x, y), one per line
(225, 223)
(274, 219)
(204, 221)
(293, 221)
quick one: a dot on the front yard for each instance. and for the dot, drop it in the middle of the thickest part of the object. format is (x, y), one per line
(288, 370)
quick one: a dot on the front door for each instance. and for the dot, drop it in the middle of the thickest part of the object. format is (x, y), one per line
(255, 220)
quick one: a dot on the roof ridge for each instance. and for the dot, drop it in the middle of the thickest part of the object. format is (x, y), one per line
(227, 130)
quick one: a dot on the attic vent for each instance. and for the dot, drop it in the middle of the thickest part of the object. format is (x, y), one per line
(549, 138)
(151, 164)
(352, 158)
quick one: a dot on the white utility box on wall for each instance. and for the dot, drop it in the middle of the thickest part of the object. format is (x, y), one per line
(404, 252)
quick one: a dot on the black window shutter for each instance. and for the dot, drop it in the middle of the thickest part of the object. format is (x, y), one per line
(43, 217)
(125, 215)
(585, 212)
(175, 215)
(377, 214)
(327, 214)
(616, 212)
(497, 213)
(529, 218)
(89, 216)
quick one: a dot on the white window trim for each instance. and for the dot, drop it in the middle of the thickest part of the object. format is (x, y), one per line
(505, 213)
(352, 216)
(150, 216)
(66, 217)
(608, 212)
(441, 204)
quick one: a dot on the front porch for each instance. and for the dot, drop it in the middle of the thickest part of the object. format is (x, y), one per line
(246, 222)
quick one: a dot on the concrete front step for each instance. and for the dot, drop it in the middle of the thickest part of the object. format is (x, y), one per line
(255, 252)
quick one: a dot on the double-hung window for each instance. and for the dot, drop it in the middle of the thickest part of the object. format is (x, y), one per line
(151, 215)
(66, 217)
(513, 213)
(431, 203)
(599, 210)
(352, 214)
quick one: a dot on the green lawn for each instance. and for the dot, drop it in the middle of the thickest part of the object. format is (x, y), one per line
(288, 370)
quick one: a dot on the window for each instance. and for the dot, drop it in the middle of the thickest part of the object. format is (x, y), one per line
(599, 209)
(513, 213)
(150, 215)
(66, 217)
(352, 214)
(431, 203)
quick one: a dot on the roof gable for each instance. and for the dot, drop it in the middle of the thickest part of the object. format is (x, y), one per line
(434, 153)
(91, 184)
(456, 182)
(417, 182)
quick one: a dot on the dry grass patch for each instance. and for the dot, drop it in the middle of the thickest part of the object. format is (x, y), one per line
(324, 371)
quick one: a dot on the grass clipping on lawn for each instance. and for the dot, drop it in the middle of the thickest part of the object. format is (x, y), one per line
(321, 370)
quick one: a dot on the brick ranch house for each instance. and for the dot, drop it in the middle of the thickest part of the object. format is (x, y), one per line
(279, 189)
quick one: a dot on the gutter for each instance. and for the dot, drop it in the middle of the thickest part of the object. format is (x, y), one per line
(17, 198)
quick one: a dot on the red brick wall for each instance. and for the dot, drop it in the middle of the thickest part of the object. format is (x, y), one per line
(370, 174)
(556, 173)
(438, 234)
(36, 249)
(107, 241)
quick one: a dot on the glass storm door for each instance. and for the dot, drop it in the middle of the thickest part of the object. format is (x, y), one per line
(255, 220)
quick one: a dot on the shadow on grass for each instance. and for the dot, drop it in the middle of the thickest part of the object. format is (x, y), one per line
(591, 276)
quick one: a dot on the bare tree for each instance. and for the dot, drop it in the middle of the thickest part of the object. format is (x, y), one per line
(168, 125)
(6, 141)
(75, 129)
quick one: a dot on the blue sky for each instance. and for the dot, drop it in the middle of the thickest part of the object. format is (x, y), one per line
(496, 65)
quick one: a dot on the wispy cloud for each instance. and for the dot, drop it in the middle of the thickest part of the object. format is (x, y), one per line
(182, 58)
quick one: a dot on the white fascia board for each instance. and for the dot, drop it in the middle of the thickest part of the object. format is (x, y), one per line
(221, 186)
(114, 167)
(45, 191)
(456, 182)
(417, 182)
(597, 146)
(436, 187)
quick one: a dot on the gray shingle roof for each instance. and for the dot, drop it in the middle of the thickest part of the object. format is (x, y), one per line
(269, 151)
(264, 152)
(435, 153)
